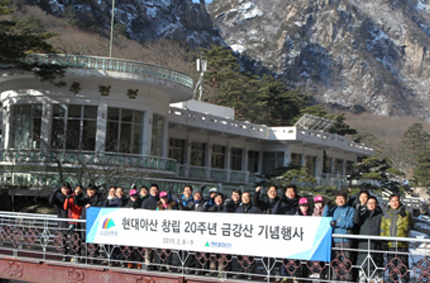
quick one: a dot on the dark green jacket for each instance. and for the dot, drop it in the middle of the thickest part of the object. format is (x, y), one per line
(396, 223)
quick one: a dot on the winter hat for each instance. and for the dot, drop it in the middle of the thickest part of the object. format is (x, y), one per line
(133, 192)
(198, 192)
(303, 201)
(163, 194)
(318, 199)
(213, 190)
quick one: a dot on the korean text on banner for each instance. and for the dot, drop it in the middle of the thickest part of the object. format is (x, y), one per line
(281, 236)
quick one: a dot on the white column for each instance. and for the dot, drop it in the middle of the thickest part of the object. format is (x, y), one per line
(147, 133)
(46, 127)
(102, 113)
(6, 126)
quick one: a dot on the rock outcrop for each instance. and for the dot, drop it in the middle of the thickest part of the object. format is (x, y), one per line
(372, 55)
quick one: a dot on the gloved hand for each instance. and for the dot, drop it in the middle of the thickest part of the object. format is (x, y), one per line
(333, 223)
(358, 206)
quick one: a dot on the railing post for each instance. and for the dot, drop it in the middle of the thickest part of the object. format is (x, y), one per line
(228, 175)
(247, 177)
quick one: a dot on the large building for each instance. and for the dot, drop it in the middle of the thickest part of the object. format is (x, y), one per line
(126, 121)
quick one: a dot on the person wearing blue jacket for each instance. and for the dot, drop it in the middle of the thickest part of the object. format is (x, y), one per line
(341, 223)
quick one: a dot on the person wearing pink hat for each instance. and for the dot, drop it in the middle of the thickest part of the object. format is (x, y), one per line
(134, 201)
(164, 203)
(304, 207)
(318, 206)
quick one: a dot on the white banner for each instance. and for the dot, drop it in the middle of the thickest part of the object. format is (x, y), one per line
(295, 237)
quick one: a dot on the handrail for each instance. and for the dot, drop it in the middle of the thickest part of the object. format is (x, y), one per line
(87, 158)
(112, 64)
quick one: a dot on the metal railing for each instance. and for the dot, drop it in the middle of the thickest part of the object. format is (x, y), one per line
(208, 173)
(111, 64)
(87, 158)
(45, 238)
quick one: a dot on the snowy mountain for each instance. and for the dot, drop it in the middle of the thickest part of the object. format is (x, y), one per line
(146, 20)
(370, 55)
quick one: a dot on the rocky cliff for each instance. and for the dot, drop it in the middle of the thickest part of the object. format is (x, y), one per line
(146, 19)
(368, 55)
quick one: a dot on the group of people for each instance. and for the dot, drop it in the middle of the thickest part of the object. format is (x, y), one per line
(360, 216)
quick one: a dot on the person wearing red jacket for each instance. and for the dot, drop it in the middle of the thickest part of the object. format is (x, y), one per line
(73, 212)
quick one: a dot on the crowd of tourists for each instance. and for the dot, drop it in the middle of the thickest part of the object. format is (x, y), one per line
(359, 215)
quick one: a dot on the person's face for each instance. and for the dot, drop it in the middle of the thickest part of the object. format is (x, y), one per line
(363, 199)
(78, 190)
(119, 193)
(245, 198)
(187, 192)
(153, 191)
(197, 197)
(371, 204)
(304, 208)
(134, 197)
(235, 197)
(143, 192)
(65, 191)
(395, 203)
(91, 193)
(212, 195)
(318, 205)
(164, 199)
(219, 200)
(272, 193)
(112, 192)
(340, 200)
(290, 193)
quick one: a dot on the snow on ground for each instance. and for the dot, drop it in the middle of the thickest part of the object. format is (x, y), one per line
(238, 48)
(423, 5)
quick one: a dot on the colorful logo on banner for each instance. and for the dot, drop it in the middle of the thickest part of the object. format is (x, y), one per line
(108, 223)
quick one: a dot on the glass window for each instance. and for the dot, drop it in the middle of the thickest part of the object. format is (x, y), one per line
(348, 167)
(218, 154)
(157, 135)
(296, 159)
(327, 164)
(338, 166)
(26, 123)
(311, 162)
(177, 149)
(124, 130)
(271, 160)
(197, 154)
(253, 157)
(236, 159)
(74, 127)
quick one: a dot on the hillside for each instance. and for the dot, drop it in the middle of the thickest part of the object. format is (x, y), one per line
(74, 40)
(371, 55)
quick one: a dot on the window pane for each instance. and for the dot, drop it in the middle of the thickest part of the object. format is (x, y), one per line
(112, 136)
(138, 117)
(59, 110)
(126, 115)
(89, 135)
(137, 139)
(74, 111)
(37, 125)
(72, 138)
(125, 138)
(113, 114)
(37, 110)
(57, 134)
(197, 154)
(90, 112)
(25, 110)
